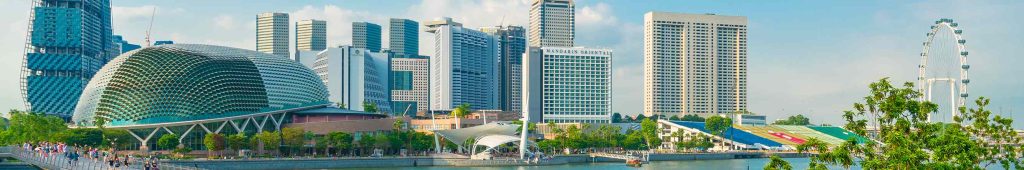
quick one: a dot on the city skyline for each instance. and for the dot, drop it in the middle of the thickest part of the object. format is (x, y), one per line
(807, 75)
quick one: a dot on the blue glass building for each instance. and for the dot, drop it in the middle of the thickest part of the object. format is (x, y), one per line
(68, 42)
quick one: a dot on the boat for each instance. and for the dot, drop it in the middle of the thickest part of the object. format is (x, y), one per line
(634, 163)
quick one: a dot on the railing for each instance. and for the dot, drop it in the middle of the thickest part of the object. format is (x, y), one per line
(619, 156)
(56, 161)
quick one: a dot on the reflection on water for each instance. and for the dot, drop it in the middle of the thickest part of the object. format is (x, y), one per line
(798, 163)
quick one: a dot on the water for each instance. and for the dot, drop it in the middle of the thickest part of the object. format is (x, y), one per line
(797, 163)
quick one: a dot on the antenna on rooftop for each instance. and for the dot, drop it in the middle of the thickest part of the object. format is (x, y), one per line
(150, 29)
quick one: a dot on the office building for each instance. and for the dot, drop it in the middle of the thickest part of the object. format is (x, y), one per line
(567, 84)
(404, 38)
(122, 45)
(552, 23)
(355, 77)
(366, 35)
(410, 79)
(68, 43)
(462, 70)
(694, 64)
(272, 33)
(512, 40)
(310, 35)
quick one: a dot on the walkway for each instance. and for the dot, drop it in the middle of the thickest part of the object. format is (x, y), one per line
(55, 161)
(618, 156)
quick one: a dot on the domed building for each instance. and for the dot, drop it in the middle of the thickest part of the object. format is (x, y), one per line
(188, 82)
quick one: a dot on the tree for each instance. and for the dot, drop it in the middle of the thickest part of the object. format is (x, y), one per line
(649, 130)
(116, 138)
(81, 137)
(369, 107)
(717, 125)
(33, 127)
(294, 138)
(340, 141)
(794, 120)
(616, 117)
(237, 141)
(692, 118)
(532, 126)
(777, 163)
(168, 141)
(422, 141)
(266, 141)
(639, 117)
(214, 143)
(909, 141)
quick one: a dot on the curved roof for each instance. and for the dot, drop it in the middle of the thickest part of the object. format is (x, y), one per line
(185, 82)
(336, 111)
(459, 136)
(732, 133)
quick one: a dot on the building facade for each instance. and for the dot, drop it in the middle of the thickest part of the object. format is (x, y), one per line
(567, 84)
(366, 35)
(462, 70)
(122, 45)
(68, 42)
(355, 77)
(552, 23)
(310, 35)
(156, 43)
(404, 38)
(410, 79)
(272, 33)
(694, 64)
(512, 40)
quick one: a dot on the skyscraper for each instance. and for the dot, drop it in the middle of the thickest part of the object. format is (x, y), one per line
(354, 76)
(272, 33)
(404, 38)
(310, 35)
(366, 35)
(567, 84)
(552, 23)
(512, 40)
(123, 45)
(694, 64)
(462, 70)
(68, 42)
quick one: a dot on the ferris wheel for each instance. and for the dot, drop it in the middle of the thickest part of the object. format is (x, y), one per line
(944, 63)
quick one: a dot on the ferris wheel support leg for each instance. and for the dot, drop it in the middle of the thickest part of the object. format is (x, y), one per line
(928, 96)
(952, 99)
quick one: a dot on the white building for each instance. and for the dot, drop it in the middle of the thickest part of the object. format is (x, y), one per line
(567, 84)
(272, 33)
(694, 64)
(410, 84)
(354, 76)
(462, 70)
(552, 23)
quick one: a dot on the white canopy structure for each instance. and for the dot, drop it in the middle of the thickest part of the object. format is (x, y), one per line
(460, 136)
(493, 141)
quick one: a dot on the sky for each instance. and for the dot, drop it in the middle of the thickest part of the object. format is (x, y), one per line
(814, 58)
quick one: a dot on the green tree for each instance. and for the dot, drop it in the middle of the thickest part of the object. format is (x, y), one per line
(717, 125)
(294, 138)
(794, 120)
(777, 163)
(237, 142)
(532, 126)
(117, 138)
(616, 117)
(265, 141)
(340, 141)
(33, 127)
(639, 117)
(422, 141)
(168, 141)
(692, 118)
(649, 129)
(634, 140)
(674, 118)
(549, 145)
(214, 143)
(369, 107)
(81, 137)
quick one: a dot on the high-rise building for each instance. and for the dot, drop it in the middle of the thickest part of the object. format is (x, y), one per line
(68, 43)
(694, 64)
(310, 35)
(123, 45)
(366, 35)
(410, 79)
(567, 84)
(552, 23)
(272, 33)
(404, 38)
(462, 70)
(164, 42)
(355, 76)
(512, 40)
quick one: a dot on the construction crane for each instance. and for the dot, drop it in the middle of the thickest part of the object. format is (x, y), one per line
(150, 29)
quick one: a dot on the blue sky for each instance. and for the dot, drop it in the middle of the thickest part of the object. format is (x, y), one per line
(806, 57)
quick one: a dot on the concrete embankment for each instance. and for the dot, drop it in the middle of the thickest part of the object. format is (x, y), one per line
(331, 163)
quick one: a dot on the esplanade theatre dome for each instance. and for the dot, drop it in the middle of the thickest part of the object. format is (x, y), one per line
(187, 82)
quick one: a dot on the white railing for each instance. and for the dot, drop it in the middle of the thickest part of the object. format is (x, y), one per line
(56, 161)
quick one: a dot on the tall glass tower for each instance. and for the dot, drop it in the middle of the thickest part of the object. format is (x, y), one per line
(512, 40)
(366, 35)
(68, 42)
(552, 23)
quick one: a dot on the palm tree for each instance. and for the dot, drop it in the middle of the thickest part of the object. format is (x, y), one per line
(460, 112)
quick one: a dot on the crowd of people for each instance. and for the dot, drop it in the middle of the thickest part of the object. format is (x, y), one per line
(108, 157)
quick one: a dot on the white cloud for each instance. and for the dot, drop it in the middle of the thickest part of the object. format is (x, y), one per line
(225, 22)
